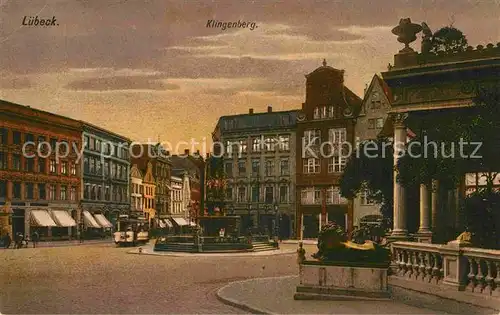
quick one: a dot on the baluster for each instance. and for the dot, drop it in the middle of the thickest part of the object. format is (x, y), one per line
(409, 265)
(397, 259)
(489, 280)
(429, 266)
(423, 273)
(472, 274)
(497, 279)
(441, 268)
(480, 275)
(416, 265)
(402, 263)
(435, 268)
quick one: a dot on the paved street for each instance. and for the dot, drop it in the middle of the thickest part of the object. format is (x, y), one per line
(102, 279)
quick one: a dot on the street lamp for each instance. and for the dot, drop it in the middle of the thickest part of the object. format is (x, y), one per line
(277, 223)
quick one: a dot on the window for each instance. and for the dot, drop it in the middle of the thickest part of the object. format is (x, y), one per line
(29, 190)
(86, 142)
(3, 189)
(16, 162)
(98, 145)
(92, 144)
(284, 143)
(242, 194)
(255, 193)
(16, 190)
(228, 169)
(371, 123)
(42, 192)
(270, 144)
(99, 193)
(229, 193)
(72, 193)
(256, 167)
(92, 165)
(53, 143)
(317, 196)
(256, 144)
(337, 135)
(365, 198)
(269, 168)
(284, 194)
(317, 113)
(311, 166)
(86, 165)
(242, 169)
(330, 112)
(106, 169)
(64, 168)
(307, 196)
(269, 194)
(73, 169)
(98, 167)
(52, 166)
(312, 137)
(42, 165)
(242, 146)
(93, 192)
(64, 193)
(3, 135)
(113, 170)
(333, 196)
(40, 139)
(120, 171)
(284, 167)
(29, 137)
(16, 137)
(3, 161)
(379, 123)
(52, 192)
(336, 164)
(29, 164)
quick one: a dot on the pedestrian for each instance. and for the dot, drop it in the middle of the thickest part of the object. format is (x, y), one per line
(19, 240)
(7, 240)
(35, 238)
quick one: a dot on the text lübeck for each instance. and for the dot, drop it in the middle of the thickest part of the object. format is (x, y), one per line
(225, 25)
(36, 21)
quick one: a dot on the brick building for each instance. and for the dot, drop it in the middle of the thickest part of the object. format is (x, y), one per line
(326, 118)
(38, 189)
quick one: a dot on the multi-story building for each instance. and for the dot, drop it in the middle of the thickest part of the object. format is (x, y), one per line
(136, 189)
(161, 170)
(258, 151)
(178, 209)
(324, 125)
(39, 172)
(105, 169)
(369, 123)
(148, 196)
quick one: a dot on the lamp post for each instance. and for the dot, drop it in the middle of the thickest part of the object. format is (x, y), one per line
(277, 222)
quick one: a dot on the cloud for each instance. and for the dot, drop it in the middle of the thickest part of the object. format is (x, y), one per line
(14, 83)
(122, 83)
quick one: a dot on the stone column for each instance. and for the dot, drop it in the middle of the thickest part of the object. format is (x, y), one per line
(424, 232)
(399, 225)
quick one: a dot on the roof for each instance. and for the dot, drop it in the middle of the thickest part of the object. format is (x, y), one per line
(91, 126)
(375, 80)
(266, 120)
(324, 68)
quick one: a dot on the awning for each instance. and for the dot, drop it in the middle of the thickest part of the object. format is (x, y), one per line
(62, 218)
(162, 224)
(101, 219)
(168, 223)
(180, 221)
(89, 220)
(41, 218)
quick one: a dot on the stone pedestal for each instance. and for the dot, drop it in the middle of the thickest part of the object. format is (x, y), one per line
(321, 281)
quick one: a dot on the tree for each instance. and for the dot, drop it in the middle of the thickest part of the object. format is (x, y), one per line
(371, 168)
(448, 40)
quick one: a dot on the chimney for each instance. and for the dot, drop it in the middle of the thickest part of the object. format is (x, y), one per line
(168, 153)
(186, 151)
(250, 111)
(269, 109)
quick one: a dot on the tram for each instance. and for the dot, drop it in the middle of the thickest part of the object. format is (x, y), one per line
(131, 230)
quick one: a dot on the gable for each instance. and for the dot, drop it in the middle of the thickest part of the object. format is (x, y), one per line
(135, 172)
(376, 98)
(148, 178)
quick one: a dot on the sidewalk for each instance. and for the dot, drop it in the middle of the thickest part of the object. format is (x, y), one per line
(67, 243)
(305, 242)
(275, 296)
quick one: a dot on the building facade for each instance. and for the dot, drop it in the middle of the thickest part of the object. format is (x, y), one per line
(258, 151)
(136, 189)
(39, 172)
(369, 123)
(327, 117)
(148, 196)
(161, 170)
(176, 198)
(105, 169)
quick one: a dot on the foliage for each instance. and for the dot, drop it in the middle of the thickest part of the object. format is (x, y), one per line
(369, 232)
(482, 217)
(371, 168)
(215, 185)
(448, 40)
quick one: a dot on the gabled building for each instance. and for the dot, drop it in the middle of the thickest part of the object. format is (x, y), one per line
(258, 152)
(324, 124)
(136, 189)
(148, 195)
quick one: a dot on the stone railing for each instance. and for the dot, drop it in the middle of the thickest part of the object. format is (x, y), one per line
(453, 265)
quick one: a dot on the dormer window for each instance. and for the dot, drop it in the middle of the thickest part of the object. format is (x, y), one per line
(330, 112)
(376, 104)
(317, 114)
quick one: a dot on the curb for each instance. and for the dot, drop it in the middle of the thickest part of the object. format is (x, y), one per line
(241, 305)
(173, 254)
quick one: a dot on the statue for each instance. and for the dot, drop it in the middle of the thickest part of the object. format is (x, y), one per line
(426, 39)
(406, 32)
(333, 246)
(301, 253)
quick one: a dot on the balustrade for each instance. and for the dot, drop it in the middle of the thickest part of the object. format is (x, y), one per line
(464, 268)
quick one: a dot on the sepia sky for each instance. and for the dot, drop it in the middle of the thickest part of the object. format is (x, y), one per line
(152, 68)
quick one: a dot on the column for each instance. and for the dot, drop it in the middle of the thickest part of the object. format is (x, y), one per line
(399, 225)
(424, 229)
(434, 207)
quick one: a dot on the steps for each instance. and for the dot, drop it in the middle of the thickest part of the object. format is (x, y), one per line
(263, 246)
(176, 247)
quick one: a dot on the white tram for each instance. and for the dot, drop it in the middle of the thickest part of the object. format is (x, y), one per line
(131, 230)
